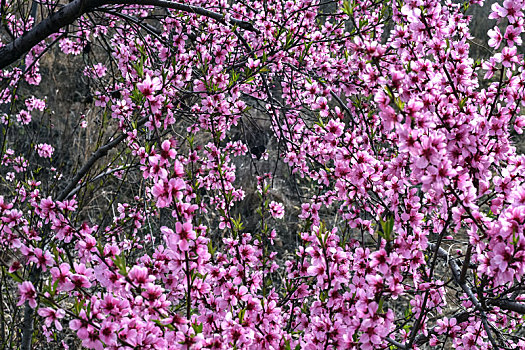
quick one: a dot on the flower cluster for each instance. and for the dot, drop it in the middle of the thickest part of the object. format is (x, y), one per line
(405, 226)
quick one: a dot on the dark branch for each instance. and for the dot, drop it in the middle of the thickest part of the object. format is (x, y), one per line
(508, 305)
(72, 11)
(51, 25)
(186, 8)
(28, 323)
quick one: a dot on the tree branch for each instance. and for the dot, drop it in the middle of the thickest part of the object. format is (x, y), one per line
(29, 312)
(72, 11)
(508, 305)
(186, 8)
(51, 25)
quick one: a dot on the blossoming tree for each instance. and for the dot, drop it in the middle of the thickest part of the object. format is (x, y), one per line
(410, 193)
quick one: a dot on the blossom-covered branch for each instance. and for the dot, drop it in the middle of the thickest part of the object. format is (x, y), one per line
(76, 8)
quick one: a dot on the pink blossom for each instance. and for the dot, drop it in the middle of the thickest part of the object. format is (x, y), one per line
(322, 105)
(447, 325)
(43, 259)
(52, 316)
(253, 64)
(35, 103)
(276, 210)
(498, 11)
(24, 117)
(495, 37)
(502, 256)
(513, 35)
(92, 339)
(76, 281)
(27, 293)
(167, 191)
(100, 70)
(167, 152)
(44, 150)
(185, 232)
(60, 273)
(108, 333)
(511, 9)
(507, 57)
(149, 86)
(140, 275)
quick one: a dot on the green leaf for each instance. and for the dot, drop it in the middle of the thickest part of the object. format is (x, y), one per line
(388, 227)
(120, 262)
(197, 328)
(234, 77)
(462, 103)
(241, 315)
(347, 8)
(289, 38)
(15, 277)
(237, 223)
(323, 296)
(400, 104)
(211, 249)
(408, 313)
(380, 307)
